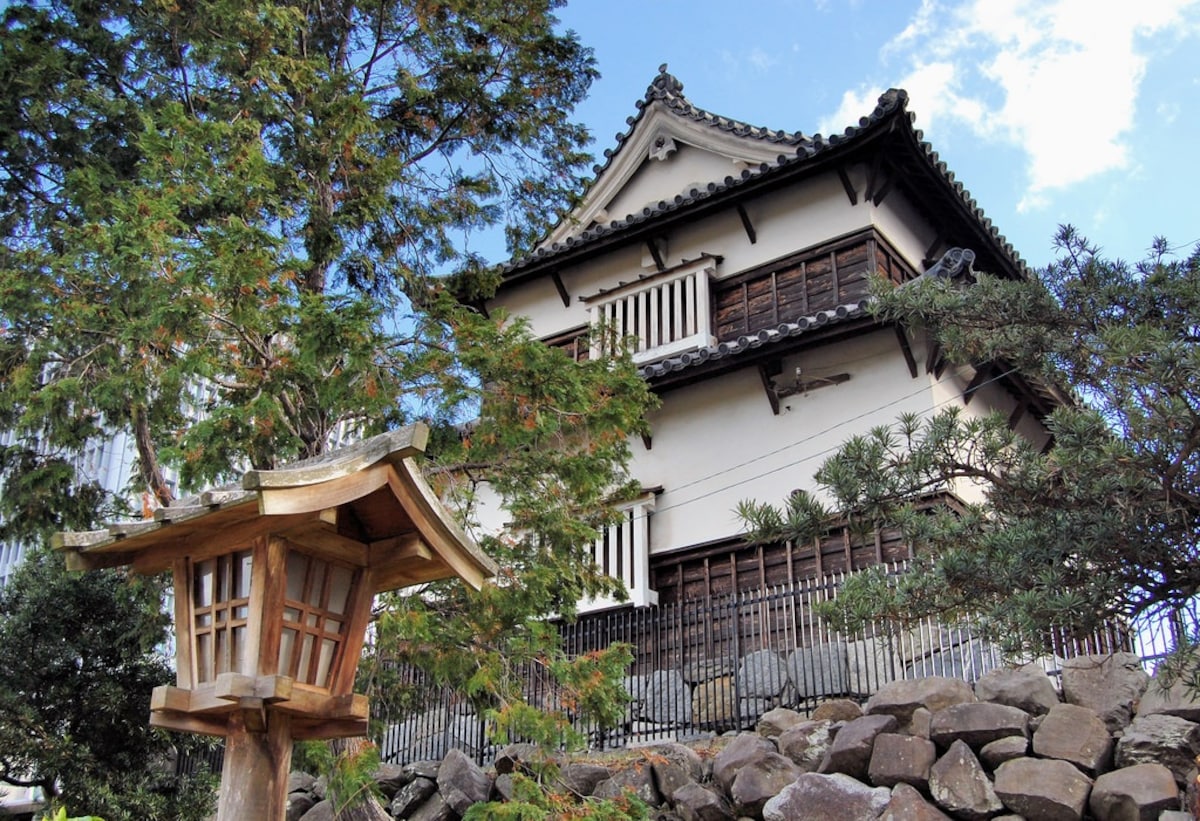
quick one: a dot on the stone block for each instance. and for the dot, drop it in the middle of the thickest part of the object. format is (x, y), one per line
(813, 796)
(901, 759)
(1134, 793)
(1164, 739)
(907, 804)
(759, 781)
(1077, 735)
(819, 671)
(806, 743)
(977, 724)
(959, 785)
(762, 674)
(1027, 688)
(902, 698)
(850, 752)
(1047, 790)
(1109, 684)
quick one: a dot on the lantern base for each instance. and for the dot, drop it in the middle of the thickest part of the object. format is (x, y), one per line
(254, 776)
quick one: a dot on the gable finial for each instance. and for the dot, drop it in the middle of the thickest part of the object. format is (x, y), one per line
(664, 85)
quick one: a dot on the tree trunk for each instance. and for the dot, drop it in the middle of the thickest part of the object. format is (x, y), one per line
(368, 808)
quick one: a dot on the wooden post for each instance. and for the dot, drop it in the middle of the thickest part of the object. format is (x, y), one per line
(254, 776)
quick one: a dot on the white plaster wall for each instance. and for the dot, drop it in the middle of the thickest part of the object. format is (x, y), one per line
(717, 442)
(897, 219)
(785, 221)
(662, 180)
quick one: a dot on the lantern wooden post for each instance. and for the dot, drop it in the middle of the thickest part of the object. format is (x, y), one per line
(273, 591)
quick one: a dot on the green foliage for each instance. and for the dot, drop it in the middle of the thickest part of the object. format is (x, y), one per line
(533, 802)
(77, 665)
(1103, 524)
(245, 194)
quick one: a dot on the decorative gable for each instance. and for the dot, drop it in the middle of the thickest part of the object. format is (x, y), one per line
(671, 148)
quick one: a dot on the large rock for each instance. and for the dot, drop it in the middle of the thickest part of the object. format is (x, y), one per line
(1176, 700)
(411, 796)
(870, 665)
(967, 661)
(638, 779)
(818, 671)
(298, 804)
(959, 785)
(902, 698)
(581, 777)
(762, 674)
(435, 809)
(806, 743)
(760, 781)
(744, 749)
(909, 805)
(661, 697)
(901, 759)
(461, 782)
(1003, 749)
(696, 803)
(1027, 688)
(813, 797)
(1168, 740)
(977, 724)
(1044, 790)
(673, 766)
(320, 811)
(1075, 734)
(837, 709)
(772, 723)
(850, 752)
(1137, 793)
(714, 703)
(1109, 684)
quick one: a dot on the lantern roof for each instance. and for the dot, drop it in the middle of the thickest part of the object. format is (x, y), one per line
(367, 505)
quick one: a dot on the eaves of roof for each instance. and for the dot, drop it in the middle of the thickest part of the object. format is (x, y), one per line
(801, 156)
(744, 345)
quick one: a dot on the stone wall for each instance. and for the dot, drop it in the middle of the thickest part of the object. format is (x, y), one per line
(1012, 746)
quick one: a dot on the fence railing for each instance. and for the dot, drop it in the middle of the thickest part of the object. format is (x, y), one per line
(716, 664)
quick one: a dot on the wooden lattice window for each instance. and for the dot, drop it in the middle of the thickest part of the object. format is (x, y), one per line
(220, 610)
(314, 618)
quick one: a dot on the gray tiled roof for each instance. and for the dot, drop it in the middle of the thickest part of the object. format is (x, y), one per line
(744, 344)
(796, 149)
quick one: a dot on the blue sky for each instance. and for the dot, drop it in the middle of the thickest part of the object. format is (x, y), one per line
(1050, 111)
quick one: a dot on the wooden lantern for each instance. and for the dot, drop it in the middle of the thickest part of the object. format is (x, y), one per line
(273, 591)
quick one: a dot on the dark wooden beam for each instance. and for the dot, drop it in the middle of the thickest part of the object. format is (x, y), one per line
(873, 176)
(656, 253)
(851, 194)
(768, 371)
(647, 439)
(1018, 413)
(562, 289)
(906, 349)
(883, 191)
(982, 374)
(935, 246)
(746, 224)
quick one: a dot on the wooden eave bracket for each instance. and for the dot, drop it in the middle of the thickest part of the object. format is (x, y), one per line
(767, 371)
(556, 278)
(652, 245)
(748, 226)
(848, 186)
(770, 370)
(982, 374)
(906, 349)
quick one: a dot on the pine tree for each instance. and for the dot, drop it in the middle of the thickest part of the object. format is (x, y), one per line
(1102, 525)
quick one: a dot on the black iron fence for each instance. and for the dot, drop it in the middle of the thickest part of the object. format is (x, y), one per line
(716, 664)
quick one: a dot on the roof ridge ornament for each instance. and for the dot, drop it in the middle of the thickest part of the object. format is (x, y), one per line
(664, 85)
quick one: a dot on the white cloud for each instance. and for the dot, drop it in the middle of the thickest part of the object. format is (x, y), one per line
(1057, 78)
